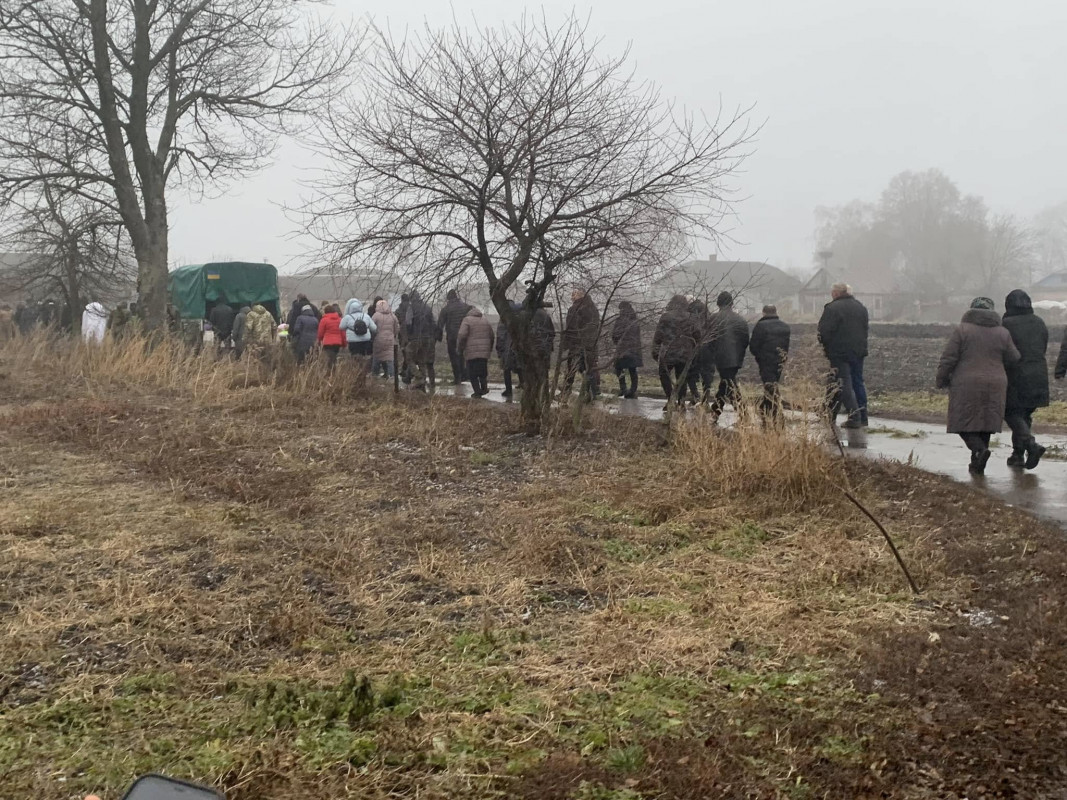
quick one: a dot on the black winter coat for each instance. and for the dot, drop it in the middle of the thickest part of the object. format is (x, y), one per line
(676, 336)
(295, 310)
(1027, 378)
(729, 335)
(1061, 362)
(221, 319)
(543, 332)
(843, 329)
(770, 345)
(449, 320)
(626, 335)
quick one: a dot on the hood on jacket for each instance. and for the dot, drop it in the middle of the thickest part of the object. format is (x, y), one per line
(626, 310)
(985, 317)
(383, 307)
(1017, 302)
(678, 303)
(474, 312)
(353, 307)
(307, 312)
(244, 310)
(259, 308)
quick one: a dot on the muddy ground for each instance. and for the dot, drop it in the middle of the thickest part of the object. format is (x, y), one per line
(401, 597)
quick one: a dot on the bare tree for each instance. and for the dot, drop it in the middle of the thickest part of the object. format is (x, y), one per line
(519, 154)
(121, 99)
(78, 249)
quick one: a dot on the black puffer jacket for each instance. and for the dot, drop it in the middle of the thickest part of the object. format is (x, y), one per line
(843, 329)
(675, 339)
(729, 335)
(509, 356)
(1028, 377)
(769, 346)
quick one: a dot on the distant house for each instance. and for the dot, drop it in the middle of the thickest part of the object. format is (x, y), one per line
(1051, 287)
(338, 288)
(753, 283)
(882, 295)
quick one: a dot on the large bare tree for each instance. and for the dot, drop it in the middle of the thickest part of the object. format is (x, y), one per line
(524, 155)
(122, 99)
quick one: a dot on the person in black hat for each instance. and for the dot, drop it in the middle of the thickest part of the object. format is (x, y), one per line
(729, 336)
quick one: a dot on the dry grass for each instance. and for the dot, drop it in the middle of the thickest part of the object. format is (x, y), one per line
(194, 554)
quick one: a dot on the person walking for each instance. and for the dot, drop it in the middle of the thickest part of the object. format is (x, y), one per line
(843, 335)
(1027, 379)
(475, 342)
(1061, 360)
(304, 334)
(770, 347)
(330, 335)
(384, 343)
(359, 328)
(118, 320)
(626, 335)
(702, 369)
(94, 323)
(239, 332)
(401, 314)
(509, 355)
(297, 308)
(580, 338)
(674, 346)
(973, 368)
(729, 336)
(421, 342)
(448, 322)
(258, 331)
(221, 318)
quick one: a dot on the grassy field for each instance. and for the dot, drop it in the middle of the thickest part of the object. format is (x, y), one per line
(298, 587)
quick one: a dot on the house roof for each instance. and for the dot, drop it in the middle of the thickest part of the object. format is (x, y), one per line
(339, 287)
(758, 280)
(1057, 280)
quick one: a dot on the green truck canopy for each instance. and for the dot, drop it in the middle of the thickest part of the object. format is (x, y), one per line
(195, 288)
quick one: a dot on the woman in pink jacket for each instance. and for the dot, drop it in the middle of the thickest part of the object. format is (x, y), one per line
(475, 344)
(388, 335)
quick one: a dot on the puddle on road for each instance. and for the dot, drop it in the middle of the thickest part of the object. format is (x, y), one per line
(1042, 492)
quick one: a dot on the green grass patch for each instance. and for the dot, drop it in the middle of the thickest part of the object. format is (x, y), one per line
(740, 542)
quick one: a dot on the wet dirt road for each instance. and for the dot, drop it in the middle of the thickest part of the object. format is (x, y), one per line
(1042, 492)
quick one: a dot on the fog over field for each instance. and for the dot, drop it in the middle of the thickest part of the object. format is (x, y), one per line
(851, 94)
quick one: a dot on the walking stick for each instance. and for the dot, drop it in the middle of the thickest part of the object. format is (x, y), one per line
(396, 369)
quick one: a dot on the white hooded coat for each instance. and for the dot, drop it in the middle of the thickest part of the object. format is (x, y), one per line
(94, 323)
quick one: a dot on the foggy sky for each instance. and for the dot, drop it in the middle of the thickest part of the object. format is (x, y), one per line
(850, 92)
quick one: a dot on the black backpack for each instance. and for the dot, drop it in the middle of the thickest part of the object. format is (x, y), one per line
(359, 326)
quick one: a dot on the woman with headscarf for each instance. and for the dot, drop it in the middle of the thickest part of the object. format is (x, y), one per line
(973, 368)
(1027, 380)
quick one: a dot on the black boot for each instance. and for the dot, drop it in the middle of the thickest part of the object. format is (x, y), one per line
(978, 461)
(1017, 458)
(1033, 455)
(622, 386)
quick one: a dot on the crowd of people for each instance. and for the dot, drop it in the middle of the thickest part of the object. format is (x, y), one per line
(993, 366)
(996, 372)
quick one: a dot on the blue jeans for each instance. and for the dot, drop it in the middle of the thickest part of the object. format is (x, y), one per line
(376, 363)
(858, 387)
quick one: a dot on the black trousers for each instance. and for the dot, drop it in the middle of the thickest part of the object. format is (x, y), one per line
(729, 391)
(703, 370)
(459, 366)
(576, 362)
(360, 348)
(976, 442)
(509, 377)
(665, 381)
(331, 351)
(841, 390)
(1021, 421)
(478, 372)
(626, 366)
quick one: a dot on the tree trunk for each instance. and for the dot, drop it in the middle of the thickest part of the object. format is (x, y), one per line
(74, 297)
(152, 271)
(533, 366)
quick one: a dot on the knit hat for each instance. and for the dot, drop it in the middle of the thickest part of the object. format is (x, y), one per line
(983, 303)
(724, 299)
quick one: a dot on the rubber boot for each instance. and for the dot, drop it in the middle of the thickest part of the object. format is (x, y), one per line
(1033, 455)
(1017, 458)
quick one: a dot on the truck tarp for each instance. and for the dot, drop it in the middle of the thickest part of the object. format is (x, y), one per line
(196, 287)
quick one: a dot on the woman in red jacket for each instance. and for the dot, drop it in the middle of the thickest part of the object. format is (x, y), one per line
(331, 336)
